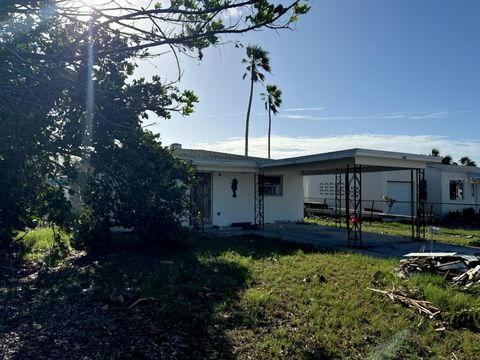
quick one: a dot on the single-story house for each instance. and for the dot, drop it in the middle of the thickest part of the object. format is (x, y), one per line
(448, 188)
(235, 189)
(453, 187)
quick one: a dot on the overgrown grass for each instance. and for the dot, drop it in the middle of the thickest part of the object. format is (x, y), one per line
(38, 243)
(253, 298)
(469, 237)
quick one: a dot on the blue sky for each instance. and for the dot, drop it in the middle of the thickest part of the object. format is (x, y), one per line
(398, 75)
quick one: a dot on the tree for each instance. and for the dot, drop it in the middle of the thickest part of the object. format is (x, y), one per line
(273, 100)
(435, 152)
(258, 61)
(68, 97)
(466, 161)
(447, 160)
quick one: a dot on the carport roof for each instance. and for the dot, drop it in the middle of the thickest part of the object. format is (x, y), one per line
(337, 161)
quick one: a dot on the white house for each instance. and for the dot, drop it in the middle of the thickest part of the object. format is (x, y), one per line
(223, 206)
(448, 188)
(453, 187)
(234, 189)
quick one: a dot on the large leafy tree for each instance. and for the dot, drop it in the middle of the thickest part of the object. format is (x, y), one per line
(273, 99)
(258, 61)
(69, 102)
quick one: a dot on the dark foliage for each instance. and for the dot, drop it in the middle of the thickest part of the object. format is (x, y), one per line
(70, 108)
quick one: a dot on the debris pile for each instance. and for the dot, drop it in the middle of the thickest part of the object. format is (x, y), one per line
(460, 269)
(422, 306)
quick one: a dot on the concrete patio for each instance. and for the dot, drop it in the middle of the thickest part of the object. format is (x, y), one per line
(378, 245)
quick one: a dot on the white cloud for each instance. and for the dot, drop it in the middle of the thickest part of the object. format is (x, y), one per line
(407, 115)
(232, 13)
(300, 117)
(306, 109)
(284, 146)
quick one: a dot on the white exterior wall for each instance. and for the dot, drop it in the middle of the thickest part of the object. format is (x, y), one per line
(374, 187)
(289, 206)
(435, 190)
(227, 209)
(455, 205)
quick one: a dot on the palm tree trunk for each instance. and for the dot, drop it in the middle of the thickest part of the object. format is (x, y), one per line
(269, 128)
(247, 121)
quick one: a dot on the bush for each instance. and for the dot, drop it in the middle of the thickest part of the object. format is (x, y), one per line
(454, 216)
(469, 214)
(139, 186)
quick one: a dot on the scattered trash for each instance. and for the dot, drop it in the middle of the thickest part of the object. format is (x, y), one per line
(422, 306)
(459, 269)
(125, 297)
(434, 230)
(91, 289)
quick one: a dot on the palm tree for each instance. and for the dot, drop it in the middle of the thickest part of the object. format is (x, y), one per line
(466, 161)
(273, 100)
(258, 61)
(447, 160)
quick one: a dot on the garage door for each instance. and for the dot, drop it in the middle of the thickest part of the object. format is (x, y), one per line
(400, 192)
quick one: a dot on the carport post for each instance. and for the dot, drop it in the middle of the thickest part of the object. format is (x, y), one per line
(412, 206)
(347, 202)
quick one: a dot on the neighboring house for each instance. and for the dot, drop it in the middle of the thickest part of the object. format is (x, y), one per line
(448, 187)
(453, 187)
(238, 189)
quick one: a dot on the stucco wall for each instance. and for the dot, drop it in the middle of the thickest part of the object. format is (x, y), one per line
(455, 205)
(288, 207)
(227, 209)
(434, 191)
(374, 187)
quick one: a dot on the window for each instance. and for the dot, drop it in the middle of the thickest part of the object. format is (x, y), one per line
(272, 185)
(456, 190)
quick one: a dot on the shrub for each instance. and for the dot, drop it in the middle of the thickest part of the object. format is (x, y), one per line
(469, 214)
(454, 216)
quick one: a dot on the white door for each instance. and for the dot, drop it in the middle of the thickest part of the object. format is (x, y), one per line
(400, 192)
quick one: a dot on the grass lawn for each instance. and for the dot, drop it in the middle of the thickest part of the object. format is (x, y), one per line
(39, 241)
(232, 297)
(470, 237)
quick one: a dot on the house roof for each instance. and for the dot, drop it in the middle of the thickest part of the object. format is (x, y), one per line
(324, 163)
(193, 154)
(456, 168)
(218, 161)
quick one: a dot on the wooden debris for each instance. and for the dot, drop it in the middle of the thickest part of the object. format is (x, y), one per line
(422, 306)
(430, 254)
(460, 269)
(141, 300)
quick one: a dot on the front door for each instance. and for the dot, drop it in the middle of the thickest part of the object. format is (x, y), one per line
(201, 195)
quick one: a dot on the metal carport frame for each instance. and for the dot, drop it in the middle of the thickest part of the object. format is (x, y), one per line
(352, 164)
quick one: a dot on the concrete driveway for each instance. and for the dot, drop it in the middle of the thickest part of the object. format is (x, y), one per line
(378, 245)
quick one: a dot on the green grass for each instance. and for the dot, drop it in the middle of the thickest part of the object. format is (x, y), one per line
(456, 236)
(254, 298)
(38, 242)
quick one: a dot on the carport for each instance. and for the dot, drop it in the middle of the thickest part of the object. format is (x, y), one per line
(350, 165)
